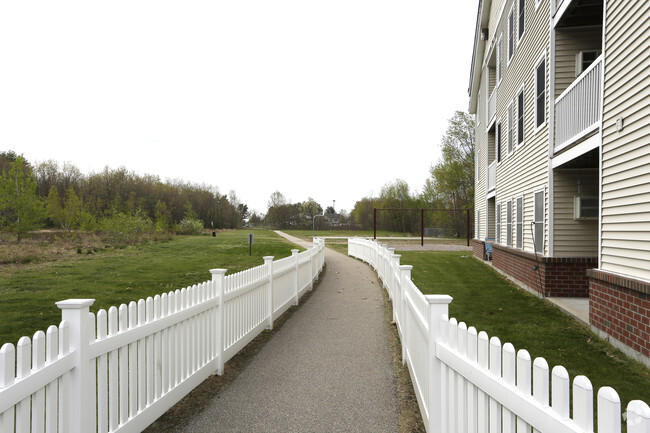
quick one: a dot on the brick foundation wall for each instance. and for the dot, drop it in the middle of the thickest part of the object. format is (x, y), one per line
(620, 307)
(555, 276)
(478, 247)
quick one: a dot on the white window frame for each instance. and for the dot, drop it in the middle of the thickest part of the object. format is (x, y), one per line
(510, 48)
(498, 139)
(511, 128)
(499, 67)
(541, 60)
(521, 113)
(509, 223)
(498, 223)
(519, 222)
(520, 21)
(537, 221)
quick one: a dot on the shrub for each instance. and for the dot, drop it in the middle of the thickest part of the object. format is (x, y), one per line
(123, 229)
(190, 226)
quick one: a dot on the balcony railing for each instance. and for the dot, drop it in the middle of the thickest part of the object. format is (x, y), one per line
(491, 107)
(492, 176)
(578, 108)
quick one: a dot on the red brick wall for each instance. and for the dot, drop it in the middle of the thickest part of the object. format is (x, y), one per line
(478, 248)
(555, 276)
(620, 307)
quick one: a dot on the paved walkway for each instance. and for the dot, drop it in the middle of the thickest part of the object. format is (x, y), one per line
(327, 369)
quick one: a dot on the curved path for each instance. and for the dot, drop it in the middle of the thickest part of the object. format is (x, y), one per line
(327, 369)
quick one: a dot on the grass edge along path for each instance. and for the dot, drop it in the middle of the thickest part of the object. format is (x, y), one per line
(486, 300)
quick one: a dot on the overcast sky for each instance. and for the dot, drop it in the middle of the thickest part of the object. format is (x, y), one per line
(324, 99)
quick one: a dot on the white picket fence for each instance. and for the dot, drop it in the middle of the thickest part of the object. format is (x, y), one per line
(467, 382)
(121, 370)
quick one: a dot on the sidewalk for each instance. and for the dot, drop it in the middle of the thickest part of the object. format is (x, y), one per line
(328, 368)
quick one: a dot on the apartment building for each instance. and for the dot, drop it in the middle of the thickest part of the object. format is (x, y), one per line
(561, 94)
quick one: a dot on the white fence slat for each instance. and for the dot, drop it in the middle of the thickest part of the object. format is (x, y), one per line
(495, 368)
(157, 350)
(149, 356)
(92, 374)
(560, 391)
(509, 376)
(609, 411)
(541, 381)
(102, 375)
(52, 389)
(23, 369)
(452, 389)
(7, 377)
(142, 365)
(164, 345)
(461, 394)
(113, 407)
(524, 377)
(583, 403)
(38, 398)
(123, 356)
(483, 409)
(64, 383)
(638, 417)
(472, 390)
(133, 361)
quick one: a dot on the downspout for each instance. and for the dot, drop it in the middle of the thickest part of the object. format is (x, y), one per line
(551, 130)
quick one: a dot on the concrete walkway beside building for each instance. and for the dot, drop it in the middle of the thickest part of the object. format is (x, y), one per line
(327, 369)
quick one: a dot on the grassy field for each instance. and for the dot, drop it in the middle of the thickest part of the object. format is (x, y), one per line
(487, 301)
(28, 292)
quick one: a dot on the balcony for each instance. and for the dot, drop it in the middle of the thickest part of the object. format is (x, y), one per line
(578, 108)
(492, 177)
(491, 108)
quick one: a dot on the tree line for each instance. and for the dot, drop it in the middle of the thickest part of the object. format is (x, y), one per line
(59, 196)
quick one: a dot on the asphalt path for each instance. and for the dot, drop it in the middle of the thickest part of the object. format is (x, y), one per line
(328, 369)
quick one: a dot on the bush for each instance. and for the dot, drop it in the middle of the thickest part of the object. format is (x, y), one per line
(190, 226)
(123, 229)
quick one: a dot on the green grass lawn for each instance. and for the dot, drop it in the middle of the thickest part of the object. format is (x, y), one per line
(487, 301)
(112, 277)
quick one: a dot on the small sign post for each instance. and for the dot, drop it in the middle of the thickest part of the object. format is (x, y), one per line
(250, 244)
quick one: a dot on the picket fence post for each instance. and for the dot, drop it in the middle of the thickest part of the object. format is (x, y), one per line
(294, 253)
(76, 312)
(438, 307)
(268, 261)
(405, 275)
(218, 276)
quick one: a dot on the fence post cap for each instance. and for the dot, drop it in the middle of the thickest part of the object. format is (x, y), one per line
(295, 251)
(438, 299)
(75, 304)
(406, 267)
(218, 271)
(267, 258)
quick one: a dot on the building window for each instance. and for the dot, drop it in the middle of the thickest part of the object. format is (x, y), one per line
(498, 52)
(520, 117)
(498, 222)
(509, 223)
(520, 223)
(498, 142)
(511, 35)
(522, 18)
(539, 222)
(511, 127)
(540, 93)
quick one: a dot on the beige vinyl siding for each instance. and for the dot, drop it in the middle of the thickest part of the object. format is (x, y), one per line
(625, 235)
(574, 238)
(568, 43)
(525, 170)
